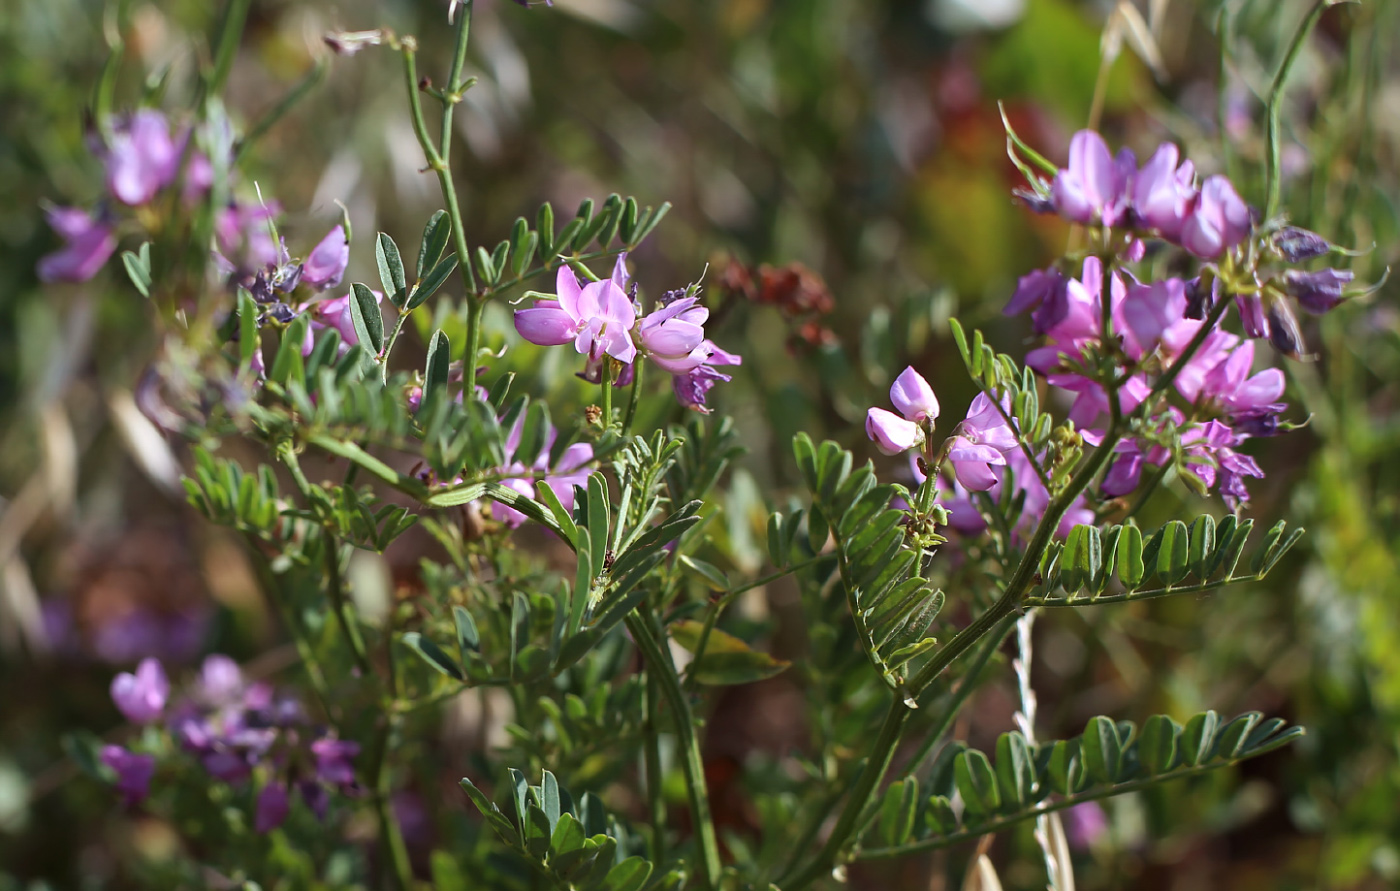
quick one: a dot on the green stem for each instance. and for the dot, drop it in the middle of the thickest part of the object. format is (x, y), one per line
(340, 605)
(659, 660)
(230, 31)
(305, 651)
(285, 104)
(607, 393)
(390, 835)
(633, 397)
(652, 728)
(1274, 153)
(389, 345)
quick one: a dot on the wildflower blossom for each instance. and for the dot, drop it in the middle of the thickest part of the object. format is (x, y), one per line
(88, 243)
(693, 386)
(596, 317)
(1094, 187)
(141, 696)
(133, 771)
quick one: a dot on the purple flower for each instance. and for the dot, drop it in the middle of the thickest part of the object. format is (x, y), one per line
(142, 158)
(325, 265)
(1085, 824)
(1094, 187)
(1252, 315)
(133, 771)
(674, 335)
(1229, 385)
(913, 396)
(982, 440)
(244, 238)
(220, 680)
(891, 433)
(89, 242)
(1283, 330)
(333, 757)
(1045, 291)
(1317, 292)
(272, 807)
(1219, 222)
(1153, 317)
(1163, 193)
(1296, 245)
(570, 471)
(692, 387)
(1082, 319)
(597, 317)
(141, 696)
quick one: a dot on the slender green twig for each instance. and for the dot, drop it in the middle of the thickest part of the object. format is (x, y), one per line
(1274, 108)
(390, 834)
(633, 397)
(230, 33)
(285, 104)
(652, 728)
(658, 659)
(340, 605)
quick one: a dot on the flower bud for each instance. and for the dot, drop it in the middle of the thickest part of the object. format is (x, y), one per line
(1283, 330)
(1317, 292)
(891, 433)
(913, 396)
(1296, 245)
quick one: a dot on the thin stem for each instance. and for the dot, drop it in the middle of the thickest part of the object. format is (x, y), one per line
(607, 394)
(390, 835)
(1274, 153)
(633, 397)
(335, 592)
(305, 651)
(389, 344)
(657, 802)
(230, 31)
(659, 660)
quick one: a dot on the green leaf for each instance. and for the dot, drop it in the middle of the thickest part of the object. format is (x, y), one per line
(391, 274)
(1066, 767)
(897, 811)
(549, 799)
(727, 660)
(1015, 770)
(429, 284)
(1172, 554)
(289, 365)
(439, 359)
(433, 654)
(366, 318)
(468, 638)
(712, 574)
(544, 225)
(1158, 744)
(1103, 750)
(435, 236)
(629, 875)
(598, 519)
(1202, 546)
(138, 268)
(498, 820)
(247, 326)
(976, 782)
(940, 815)
(1233, 735)
(1197, 738)
(568, 836)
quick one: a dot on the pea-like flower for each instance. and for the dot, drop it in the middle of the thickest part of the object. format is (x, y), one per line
(891, 433)
(982, 440)
(674, 335)
(325, 266)
(89, 243)
(141, 696)
(597, 317)
(913, 396)
(133, 771)
(692, 387)
(1163, 193)
(142, 158)
(1220, 220)
(1094, 187)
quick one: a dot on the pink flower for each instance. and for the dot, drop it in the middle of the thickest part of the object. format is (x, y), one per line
(1094, 187)
(141, 696)
(570, 471)
(133, 771)
(325, 265)
(692, 387)
(142, 158)
(597, 317)
(1220, 220)
(913, 396)
(1163, 193)
(982, 440)
(272, 808)
(891, 433)
(89, 244)
(674, 335)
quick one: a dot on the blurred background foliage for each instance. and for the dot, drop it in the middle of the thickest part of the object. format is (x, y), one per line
(840, 167)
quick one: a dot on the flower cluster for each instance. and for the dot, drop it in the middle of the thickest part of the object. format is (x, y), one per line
(1109, 335)
(142, 156)
(232, 727)
(604, 322)
(570, 470)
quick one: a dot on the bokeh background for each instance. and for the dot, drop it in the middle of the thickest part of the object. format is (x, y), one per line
(840, 167)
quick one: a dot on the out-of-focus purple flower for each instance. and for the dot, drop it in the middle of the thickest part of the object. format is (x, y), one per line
(1219, 221)
(1296, 245)
(1125, 471)
(317, 799)
(1044, 290)
(1230, 386)
(142, 158)
(1284, 333)
(325, 266)
(674, 335)
(1085, 824)
(597, 317)
(141, 696)
(1154, 317)
(89, 243)
(244, 238)
(1317, 292)
(272, 808)
(694, 386)
(1081, 323)
(1163, 192)
(982, 440)
(1094, 187)
(571, 470)
(1252, 315)
(891, 433)
(333, 757)
(220, 680)
(133, 771)
(913, 396)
